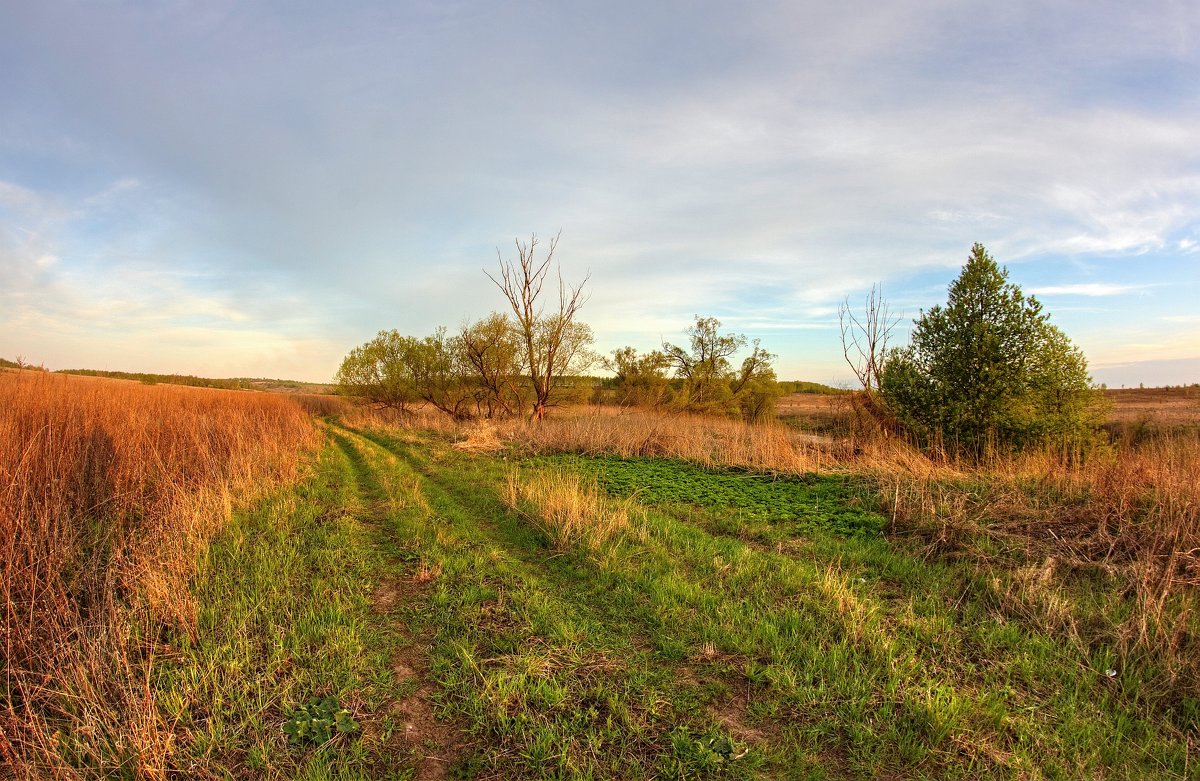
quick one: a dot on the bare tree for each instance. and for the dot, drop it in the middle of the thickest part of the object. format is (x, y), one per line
(865, 337)
(554, 343)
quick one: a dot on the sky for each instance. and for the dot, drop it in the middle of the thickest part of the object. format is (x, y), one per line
(231, 188)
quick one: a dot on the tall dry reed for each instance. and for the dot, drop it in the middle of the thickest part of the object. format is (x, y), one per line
(1132, 512)
(108, 492)
(323, 404)
(769, 447)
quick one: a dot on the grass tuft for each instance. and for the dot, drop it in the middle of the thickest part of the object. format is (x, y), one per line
(572, 512)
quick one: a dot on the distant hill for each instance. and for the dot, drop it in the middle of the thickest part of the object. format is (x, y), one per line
(284, 386)
(231, 383)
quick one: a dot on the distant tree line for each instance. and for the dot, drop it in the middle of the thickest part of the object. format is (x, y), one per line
(986, 371)
(500, 366)
(804, 386)
(702, 376)
(163, 379)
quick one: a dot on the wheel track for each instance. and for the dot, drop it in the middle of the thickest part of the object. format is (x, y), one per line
(561, 577)
(434, 745)
(615, 642)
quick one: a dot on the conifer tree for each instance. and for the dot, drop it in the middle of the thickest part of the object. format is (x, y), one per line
(988, 369)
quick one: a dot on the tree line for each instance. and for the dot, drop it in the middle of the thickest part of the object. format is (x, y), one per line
(986, 370)
(525, 361)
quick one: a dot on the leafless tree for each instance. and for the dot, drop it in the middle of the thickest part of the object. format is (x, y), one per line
(865, 336)
(552, 341)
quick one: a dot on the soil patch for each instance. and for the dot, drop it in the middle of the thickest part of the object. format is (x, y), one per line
(435, 745)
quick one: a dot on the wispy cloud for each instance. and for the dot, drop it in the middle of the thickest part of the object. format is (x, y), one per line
(1090, 289)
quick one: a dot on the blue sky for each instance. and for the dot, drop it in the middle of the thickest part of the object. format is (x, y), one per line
(237, 188)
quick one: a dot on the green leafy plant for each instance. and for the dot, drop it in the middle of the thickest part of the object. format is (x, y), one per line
(712, 753)
(834, 503)
(318, 720)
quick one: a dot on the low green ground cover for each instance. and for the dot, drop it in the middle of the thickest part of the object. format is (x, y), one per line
(835, 503)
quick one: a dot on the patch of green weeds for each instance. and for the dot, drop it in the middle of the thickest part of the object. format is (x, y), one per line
(318, 721)
(712, 754)
(832, 503)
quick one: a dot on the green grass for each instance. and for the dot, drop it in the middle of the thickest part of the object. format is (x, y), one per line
(285, 595)
(789, 503)
(743, 626)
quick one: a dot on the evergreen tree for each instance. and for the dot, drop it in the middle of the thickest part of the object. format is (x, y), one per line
(988, 369)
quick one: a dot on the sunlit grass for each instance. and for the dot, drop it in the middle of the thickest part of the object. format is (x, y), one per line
(819, 655)
(109, 492)
(571, 511)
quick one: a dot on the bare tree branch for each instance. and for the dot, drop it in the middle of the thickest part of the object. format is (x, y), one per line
(865, 338)
(543, 335)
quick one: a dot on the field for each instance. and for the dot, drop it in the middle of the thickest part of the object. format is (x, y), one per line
(602, 596)
(1146, 409)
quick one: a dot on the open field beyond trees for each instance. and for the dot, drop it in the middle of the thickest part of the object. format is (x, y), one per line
(210, 584)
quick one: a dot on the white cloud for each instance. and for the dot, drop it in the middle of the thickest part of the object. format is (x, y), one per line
(1091, 289)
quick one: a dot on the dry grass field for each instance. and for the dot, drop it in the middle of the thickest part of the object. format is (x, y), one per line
(109, 492)
(1162, 407)
(1155, 407)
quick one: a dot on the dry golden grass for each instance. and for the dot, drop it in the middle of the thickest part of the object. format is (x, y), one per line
(323, 405)
(108, 493)
(1131, 512)
(571, 512)
(481, 437)
(358, 414)
(768, 447)
(1155, 406)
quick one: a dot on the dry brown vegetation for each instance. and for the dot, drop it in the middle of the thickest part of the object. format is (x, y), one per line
(108, 493)
(323, 404)
(1136, 414)
(569, 510)
(1129, 515)
(703, 440)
